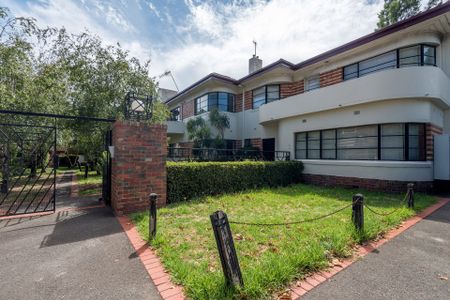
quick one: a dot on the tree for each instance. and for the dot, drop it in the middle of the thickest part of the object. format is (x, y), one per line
(219, 121)
(199, 132)
(50, 70)
(397, 10)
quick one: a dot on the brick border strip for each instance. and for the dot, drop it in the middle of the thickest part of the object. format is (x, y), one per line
(303, 286)
(151, 262)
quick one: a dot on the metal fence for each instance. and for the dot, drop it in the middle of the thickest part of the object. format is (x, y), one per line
(209, 154)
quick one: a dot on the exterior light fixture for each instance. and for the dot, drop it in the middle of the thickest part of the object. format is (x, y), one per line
(138, 108)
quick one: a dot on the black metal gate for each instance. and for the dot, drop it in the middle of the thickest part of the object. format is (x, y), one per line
(106, 179)
(27, 169)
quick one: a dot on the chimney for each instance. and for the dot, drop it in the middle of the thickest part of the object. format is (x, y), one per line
(254, 64)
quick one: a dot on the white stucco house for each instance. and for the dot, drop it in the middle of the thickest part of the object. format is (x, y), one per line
(363, 114)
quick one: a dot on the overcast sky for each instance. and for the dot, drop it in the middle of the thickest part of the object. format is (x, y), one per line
(194, 38)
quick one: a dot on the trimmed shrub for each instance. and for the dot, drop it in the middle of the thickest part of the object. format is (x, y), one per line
(187, 180)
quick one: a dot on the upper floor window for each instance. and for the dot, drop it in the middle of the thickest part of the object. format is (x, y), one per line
(175, 114)
(265, 94)
(312, 83)
(215, 100)
(417, 55)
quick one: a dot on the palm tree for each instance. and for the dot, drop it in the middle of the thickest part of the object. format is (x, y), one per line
(219, 121)
(198, 131)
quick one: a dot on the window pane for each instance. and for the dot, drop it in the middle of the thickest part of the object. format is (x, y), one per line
(416, 142)
(429, 55)
(329, 154)
(362, 131)
(259, 97)
(313, 83)
(201, 104)
(313, 154)
(409, 56)
(351, 71)
(392, 154)
(355, 154)
(380, 62)
(300, 154)
(222, 101)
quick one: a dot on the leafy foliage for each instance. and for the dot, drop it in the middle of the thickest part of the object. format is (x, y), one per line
(50, 70)
(397, 10)
(198, 132)
(187, 180)
(219, 121)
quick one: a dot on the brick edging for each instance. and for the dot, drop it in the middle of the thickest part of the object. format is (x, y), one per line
(158, 274)
(303, 286)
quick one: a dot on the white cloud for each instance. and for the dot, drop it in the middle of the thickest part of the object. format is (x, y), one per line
(294, 30)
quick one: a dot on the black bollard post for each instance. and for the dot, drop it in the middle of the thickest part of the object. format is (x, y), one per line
(152, 217)
(410, 193)
(227, 252)
(358, 212)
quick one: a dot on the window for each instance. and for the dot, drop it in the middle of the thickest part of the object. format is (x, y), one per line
(378, 63)
(201, 104)
(397, 141)
(265, 94)
(417, 55)
(215, 100)
(313, 83)
(175, 114)
(357, 143)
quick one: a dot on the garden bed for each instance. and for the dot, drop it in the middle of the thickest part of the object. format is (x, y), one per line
(270, 257)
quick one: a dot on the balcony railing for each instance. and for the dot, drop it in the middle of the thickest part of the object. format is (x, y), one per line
(208, 154)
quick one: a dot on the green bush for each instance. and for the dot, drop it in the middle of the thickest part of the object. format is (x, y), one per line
(187, 180)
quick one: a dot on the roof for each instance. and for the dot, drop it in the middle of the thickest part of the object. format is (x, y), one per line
(419, 18)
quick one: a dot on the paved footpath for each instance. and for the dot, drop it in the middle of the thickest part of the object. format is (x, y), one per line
(414, 265)
(71, 254)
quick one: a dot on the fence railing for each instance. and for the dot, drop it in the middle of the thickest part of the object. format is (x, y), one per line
(210, 154)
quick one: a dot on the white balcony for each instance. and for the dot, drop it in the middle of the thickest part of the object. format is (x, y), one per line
(175, 127)
(404, 83)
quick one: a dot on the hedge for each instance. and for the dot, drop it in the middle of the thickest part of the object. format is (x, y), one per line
(188, 180)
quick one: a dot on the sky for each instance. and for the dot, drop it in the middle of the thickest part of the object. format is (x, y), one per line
(193, 38)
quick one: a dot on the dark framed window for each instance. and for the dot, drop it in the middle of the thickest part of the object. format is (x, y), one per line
(265, 94)
(175, 114)
(416, 55)
(396, 141)
(215, 100)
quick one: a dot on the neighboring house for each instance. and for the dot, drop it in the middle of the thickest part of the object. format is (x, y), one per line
(362, 114)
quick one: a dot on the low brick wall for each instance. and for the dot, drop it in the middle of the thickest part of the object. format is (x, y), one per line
(366, 183)
(138, 166)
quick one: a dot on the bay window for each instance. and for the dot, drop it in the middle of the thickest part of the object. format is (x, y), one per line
(397, 142)
(214, 100)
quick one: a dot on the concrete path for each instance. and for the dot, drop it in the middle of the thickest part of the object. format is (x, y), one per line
(414, 265)
(72, 254)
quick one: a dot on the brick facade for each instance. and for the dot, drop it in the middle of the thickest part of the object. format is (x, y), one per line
(238, 104)
(248, 101)
(257, 143)
(291, 89)
(187, 110)
(366, 183)
(138, 166)
(331, 77)
(430, 131)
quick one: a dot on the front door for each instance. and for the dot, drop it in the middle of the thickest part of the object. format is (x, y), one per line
(269, 149)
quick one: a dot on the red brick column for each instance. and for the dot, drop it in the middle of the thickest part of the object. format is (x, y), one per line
(138, 166)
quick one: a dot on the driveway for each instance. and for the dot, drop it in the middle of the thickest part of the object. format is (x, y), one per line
(72, 254)
(414, 265)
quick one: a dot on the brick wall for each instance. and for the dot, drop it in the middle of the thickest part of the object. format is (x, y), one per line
(256, 143)
(364, 183)
(138, 166)
(331, 77)
(248, 102)
(430, 131)
(188, 109)
(238, 104)
(291, 89)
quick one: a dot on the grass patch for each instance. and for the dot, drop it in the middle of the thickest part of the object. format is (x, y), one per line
(270, 257)
(90, 192)
(93, 178)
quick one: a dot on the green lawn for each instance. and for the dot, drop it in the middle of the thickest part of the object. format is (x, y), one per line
(270, 257)
(93, 178)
